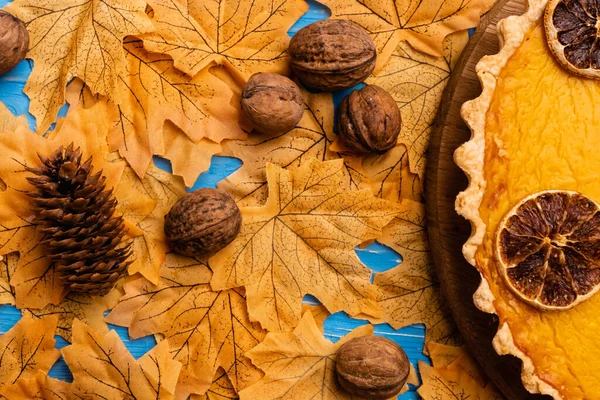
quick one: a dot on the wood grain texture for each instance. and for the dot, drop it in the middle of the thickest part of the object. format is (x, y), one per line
(447, 230)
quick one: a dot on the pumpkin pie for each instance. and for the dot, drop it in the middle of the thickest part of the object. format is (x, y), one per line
(533, 164)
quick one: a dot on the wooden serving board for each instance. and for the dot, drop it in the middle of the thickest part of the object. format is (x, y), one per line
(447, 230)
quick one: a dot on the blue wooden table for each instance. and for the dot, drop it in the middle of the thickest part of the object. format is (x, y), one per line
(376, 256)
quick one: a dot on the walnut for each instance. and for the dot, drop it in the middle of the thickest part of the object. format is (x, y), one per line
(203, 222)
(372, 367)
(332, 55)
(14, 41)
(369, 121)
(272, 103)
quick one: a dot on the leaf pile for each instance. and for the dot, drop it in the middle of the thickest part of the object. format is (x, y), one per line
(207, 330)
(164, 77)
(302, 242)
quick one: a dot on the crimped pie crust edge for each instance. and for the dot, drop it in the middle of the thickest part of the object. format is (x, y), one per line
(470, 158)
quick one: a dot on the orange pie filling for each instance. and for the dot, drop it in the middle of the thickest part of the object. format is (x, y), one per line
(543, 133)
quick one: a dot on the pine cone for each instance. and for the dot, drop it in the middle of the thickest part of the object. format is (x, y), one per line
(82, 235)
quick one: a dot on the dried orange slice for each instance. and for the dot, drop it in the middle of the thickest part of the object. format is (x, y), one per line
(548, 249)
(572, 33)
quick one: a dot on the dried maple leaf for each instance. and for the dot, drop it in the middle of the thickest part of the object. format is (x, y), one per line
(205, 329)
(154, 92)
(442, 355)
(8, 266)
(39, 387)
(424, 24)
(454, 375)
(416, 81)
(34, 281)
(302, 242)
(319, 313)
(220, 389)
(299, 365)
(81, 38)
(26, 349)
(410, 293)
(150, 247)
(312, 138)
(100, 363)
(246, 36)
(188, 159)
(83, 307)
(390, 176)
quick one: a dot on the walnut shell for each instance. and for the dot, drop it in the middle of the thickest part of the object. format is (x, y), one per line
(14, 41)
(372, 367)
(332, 55)
(203, 222)
(272, 103)
(369, 121)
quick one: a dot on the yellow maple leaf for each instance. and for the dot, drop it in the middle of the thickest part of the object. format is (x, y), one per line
(390, 176)
(150, 246)
(41, 386)
(188, 159)
(299, 365)
(205, 329)
(100, 363)
(26, 349)
(424, 24)
(410, 293)
(8, 266)
(312, 138)
(220, 389)
(319, 313)
(35, 282)
(416, 81)
(244, 35)
(76, 38)
(153, 93)
(83, 307)
(302, 242)
(454, 375)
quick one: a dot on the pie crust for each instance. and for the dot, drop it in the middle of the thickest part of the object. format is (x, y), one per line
(470, 158)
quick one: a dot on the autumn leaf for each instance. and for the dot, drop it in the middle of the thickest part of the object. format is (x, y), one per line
(76, 38)
(206, 330)
(26, 349)
(410, 293)
(319, 313)
(83, 307)
(154, 92)
(39, 387)
(188, 159)
(416, 81)
(390, 176)
(299, 365)
(442, 355)
(312, 138)
(150, 247)
(454, 375)
(100, 363)
(34, 281)
(302, 242)
(220, 389)
(8, 266)
(246, 36)
(424, 24)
